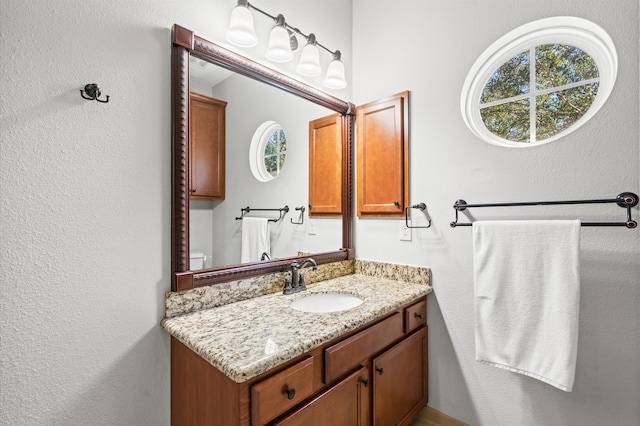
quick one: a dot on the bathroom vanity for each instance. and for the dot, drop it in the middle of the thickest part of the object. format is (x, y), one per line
(258, 361)
(240, 354)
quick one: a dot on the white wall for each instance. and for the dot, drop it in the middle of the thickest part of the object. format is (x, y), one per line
(428, 47)
(85, 200)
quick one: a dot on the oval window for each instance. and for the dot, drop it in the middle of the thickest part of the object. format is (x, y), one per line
(539, 82)
(268, 151)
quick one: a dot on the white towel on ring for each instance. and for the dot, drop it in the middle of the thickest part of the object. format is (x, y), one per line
(527, 297)
(255, 239)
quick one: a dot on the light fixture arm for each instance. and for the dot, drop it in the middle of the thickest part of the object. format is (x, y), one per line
(283, 42)
(279, 20)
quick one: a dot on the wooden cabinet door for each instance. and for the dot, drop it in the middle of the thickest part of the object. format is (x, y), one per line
(206, 147)
(400, 381)
(382, 140)
(325, 166)
(344, 404)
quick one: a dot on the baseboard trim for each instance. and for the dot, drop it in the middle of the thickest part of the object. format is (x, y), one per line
(436, 418)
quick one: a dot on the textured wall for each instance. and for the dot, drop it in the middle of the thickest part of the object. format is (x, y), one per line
(85, 201)
(428, 47)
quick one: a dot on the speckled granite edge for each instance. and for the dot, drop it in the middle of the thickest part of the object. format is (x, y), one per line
(181, 303)
(392, 271)
(245, 339)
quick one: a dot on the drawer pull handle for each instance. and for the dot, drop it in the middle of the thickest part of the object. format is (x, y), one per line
(417, 315)
(365, 382)
(291, 393)
(380, 370)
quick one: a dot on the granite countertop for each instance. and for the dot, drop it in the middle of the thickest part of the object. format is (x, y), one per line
(246, 338)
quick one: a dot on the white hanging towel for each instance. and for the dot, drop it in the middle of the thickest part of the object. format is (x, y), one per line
(255, 239)
(527, 297)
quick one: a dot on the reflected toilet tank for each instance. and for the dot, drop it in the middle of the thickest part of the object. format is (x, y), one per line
(196, 260)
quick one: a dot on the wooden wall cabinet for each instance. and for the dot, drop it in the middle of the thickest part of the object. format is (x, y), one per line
(325, 166)
(382, 140)
(206, 147)
(375, 376)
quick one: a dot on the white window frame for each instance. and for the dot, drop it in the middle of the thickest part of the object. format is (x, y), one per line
(567, 30)
(256, 150)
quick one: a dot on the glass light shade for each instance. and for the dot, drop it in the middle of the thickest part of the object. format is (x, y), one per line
(309, 64)
(279, 49)
(241, 31)
(335, 75)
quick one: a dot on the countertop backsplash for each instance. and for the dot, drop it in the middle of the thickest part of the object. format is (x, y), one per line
(181, 303)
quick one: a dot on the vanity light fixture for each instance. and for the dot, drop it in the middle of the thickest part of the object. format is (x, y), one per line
(309, 64)
(241, 31)
(335, 73)
(279, 49)
(283, 43)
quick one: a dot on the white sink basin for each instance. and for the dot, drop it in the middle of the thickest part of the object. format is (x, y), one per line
(326, 302)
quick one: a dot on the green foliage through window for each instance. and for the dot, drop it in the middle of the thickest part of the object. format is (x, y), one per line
(275, 152)
(565, 79)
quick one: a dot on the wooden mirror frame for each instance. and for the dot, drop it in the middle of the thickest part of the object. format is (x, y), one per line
(185, 44)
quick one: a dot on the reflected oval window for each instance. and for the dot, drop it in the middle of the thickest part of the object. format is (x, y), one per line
(268, 151)
(539, 82)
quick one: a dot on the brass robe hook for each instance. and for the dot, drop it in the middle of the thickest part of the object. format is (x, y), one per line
(94, 93)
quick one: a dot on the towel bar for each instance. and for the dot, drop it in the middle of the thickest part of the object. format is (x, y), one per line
(624, 199)
(419, 206)
(301, 209)
(283, 211)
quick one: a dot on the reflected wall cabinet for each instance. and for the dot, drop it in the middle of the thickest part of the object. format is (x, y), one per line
(325, 166)
(206, 147)
(382, 140)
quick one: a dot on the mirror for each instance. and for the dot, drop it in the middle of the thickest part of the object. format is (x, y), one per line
(186, 45)
(267, 168)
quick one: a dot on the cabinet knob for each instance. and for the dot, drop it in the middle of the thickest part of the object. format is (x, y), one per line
(192, 190)
(291, 393)
(380, 370)
(417, 315)
(396, 203)
(310, 206)
(365, 382)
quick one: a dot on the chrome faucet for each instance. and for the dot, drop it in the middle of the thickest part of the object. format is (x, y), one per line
(295, 282)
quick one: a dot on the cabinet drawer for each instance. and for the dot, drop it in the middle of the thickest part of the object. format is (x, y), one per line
(415, 316)
(342, 404)
(280, 392)
(343, 357)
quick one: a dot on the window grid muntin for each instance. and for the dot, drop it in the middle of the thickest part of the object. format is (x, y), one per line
(532, 91)
(541, 92)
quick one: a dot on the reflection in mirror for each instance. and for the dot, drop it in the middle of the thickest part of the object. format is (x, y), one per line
(215, 236)
(268, 151)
